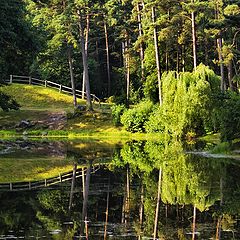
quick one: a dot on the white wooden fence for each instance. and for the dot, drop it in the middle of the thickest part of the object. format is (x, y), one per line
(46, 83)
(23, 186)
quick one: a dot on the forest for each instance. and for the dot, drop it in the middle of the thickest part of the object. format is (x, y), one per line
(167, 66)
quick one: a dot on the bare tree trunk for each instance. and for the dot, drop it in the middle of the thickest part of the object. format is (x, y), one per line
(70, 62)
(220, 56)
(194, 44)
(183, 58)
(158, 203)
(126, 58)
(157, 55)
(86, 52)
(141, 45)
(230, 76)
(178, 65)
(85, 63)
(166, 58)
(107, 56)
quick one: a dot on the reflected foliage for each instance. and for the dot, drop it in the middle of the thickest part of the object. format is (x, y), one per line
(127, 186)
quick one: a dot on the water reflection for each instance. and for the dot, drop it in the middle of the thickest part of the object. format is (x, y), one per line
(137, 190)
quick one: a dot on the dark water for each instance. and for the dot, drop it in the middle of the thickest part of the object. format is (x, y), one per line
(116, 196)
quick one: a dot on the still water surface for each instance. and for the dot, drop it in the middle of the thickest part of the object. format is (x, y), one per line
(104, 190)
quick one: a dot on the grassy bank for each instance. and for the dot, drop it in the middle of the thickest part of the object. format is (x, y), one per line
(40, 104)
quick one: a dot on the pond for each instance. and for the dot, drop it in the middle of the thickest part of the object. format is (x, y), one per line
(62, 189)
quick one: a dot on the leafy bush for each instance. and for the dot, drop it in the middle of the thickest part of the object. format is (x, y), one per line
(188, 103)
(117, 111)
(229, 116)
(134, 119)
(7, 103)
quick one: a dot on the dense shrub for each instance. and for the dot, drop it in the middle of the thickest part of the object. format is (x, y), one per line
(229, 116)
(134, 119)
(117, 111)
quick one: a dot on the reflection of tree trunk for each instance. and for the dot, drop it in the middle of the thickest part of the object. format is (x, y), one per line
(218, 227)
(166, 213)
(141, 207)
(106, 219)
(70, 62)
(194, 222)
(72, 186)
(85, 199)
(126, 200)
(83, 182)
(158, 203)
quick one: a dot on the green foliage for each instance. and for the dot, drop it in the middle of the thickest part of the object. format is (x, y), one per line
(229, 116)
(189, 100)
(7, 102)
(134, 119)
(223, 147)
(117, 111)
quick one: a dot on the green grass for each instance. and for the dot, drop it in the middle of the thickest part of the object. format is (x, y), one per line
(37, 97)
(31, 169)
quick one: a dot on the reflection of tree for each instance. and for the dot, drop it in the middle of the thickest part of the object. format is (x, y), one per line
(187, 181)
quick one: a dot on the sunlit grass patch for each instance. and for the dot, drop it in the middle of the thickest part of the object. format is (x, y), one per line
(31, 169)
(29, 96)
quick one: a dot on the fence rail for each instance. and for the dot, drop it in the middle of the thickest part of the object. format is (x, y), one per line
(46, 83)
(31, 185)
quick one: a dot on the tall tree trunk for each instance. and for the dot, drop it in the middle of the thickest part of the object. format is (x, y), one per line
(220, 57)
(85, 63)
(126, 59)
(158, 203)
(86, 52)
(183, 58)
(194, 44)
(107, 56)
(140, 36)
(157, 55)
(230, 76)
(70, 62)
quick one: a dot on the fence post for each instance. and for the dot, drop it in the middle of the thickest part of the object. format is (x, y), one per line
(60, 87)
(60, 177)
(30, 80)
(29, 186)
(11, 78)
(11, 187)
(45, 83)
